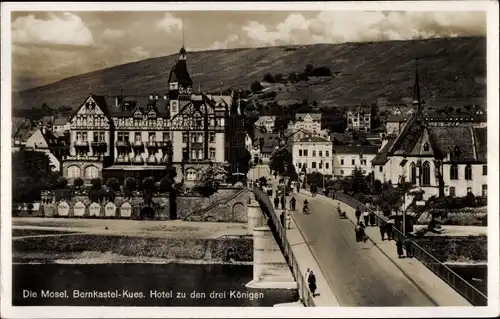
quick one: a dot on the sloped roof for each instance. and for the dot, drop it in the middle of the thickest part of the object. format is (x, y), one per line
(61, 121)
(314, 116)
(398, 118)
(179, 73)
(355, 149)
(382, 156)
(464, 143)
(313, 139)
(25, 130)
(481, 141)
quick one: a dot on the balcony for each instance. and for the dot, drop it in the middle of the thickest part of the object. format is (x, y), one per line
(138, 145)
(137, 159)
(101, 146)
(152, 159)
(123, 144)
(151, 144)
(79, 143)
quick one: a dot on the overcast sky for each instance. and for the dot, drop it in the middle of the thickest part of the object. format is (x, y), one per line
(49, 46)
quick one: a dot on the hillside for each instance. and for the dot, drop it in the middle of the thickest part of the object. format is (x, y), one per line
(450, 68)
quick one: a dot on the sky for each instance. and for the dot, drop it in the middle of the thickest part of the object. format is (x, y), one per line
(49, 46)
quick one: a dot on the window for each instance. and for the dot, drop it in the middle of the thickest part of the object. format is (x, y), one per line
(85, 136)
(152, 137)
(184, 137)
(485, 169)
(452, 192)
(327, 154)
(193, 137)
(137, 136)
(353, 162)
(320, 153)
(199, 137)
(341, 172)
(426, 173)
(174, 106)
(212, 137)
(299, 165)
(122, 136)
(364, 162)
(468, 172)
(199, 154)
(469, 190)
(484, 190)
(166, 136)
(381, 168)
(73, 171)
(100, 136)
(314, 153)
(454, 171)
(426, 147)
(320, 165)
(313, 165)
(305, 153)
(327, 165)
(79, 136)
(413, 173)
(342, 162)
(191, 175)
(212, 153)
(300, 152)
(91, 172)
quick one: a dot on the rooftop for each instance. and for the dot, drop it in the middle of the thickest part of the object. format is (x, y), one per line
(313, 139)
(355, 149)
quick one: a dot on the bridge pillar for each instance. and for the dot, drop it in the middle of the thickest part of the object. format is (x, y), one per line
(255, 216)
(270, 270)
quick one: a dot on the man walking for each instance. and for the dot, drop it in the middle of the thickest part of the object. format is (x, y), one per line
(358, 215)
(383, 228)
(312, 282)
(389, 228)
(292, 203)
(282, 201)
(276, 202)
(366, 217)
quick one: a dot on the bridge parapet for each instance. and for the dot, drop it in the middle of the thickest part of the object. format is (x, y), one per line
(280, 237)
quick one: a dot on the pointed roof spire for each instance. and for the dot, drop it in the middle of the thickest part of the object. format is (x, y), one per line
(416, 88)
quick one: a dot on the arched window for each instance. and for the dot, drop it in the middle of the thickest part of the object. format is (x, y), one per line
(454, 171)
(426, 147)
(73, 171)
(413, 173)
(91, 172)
(426, 173)
(191, 175)
(468, 172)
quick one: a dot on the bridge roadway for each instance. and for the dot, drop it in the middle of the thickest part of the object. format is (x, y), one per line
(358, 273)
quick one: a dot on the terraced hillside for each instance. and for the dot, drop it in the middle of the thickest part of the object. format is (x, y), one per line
(450, 68)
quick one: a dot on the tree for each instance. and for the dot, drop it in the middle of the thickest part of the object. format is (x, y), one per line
(321, 71)
(31, 173)
(269, 78)
(292, 77)
(78, 182)
(256, 87)
(130, 184)
(148, 189)
(62, 182)
(279, 160)
(291, 172)
(210, 178)
(308, 69)
(113, 184)
(315, 178)
(281, 123)
(96, 183)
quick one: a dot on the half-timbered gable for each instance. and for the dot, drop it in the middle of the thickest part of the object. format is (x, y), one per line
(92, 114)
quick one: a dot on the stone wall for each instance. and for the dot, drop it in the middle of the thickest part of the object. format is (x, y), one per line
(451, 248)
(227, 205)
(215, 250)
(80, 206)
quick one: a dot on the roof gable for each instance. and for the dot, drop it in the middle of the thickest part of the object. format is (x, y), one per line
(93, 105)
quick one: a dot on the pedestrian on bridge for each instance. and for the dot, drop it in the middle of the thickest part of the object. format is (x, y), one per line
(366, 216)
(282, 201)
(372, 218)
(292, 203)
(276, 202)
(282, 219)
(358, 215)
(399, 247)
(390, 229)
(408, 247)
(383, 228)
(312, 282)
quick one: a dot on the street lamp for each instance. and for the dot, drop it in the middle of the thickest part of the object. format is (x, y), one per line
(402, 184)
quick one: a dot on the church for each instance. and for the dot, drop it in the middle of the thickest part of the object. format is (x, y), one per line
(124, 136)
(441, 160)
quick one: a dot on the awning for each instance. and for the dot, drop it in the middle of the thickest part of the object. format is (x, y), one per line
(403, 163)
(135, 167)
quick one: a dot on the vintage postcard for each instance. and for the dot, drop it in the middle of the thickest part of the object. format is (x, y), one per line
(241, 159)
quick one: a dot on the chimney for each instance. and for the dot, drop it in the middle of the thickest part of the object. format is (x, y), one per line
(151, 97)
(157, 97)
(117, 102)
(44, 130)
(165, 97)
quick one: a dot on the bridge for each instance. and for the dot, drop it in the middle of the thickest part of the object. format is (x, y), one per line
(351, 273)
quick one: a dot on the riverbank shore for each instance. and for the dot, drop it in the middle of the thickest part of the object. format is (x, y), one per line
(78, 241)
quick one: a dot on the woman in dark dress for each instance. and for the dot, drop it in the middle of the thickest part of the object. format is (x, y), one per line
(399, 247)
(312, 282)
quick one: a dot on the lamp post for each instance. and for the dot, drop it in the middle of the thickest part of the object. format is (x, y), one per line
(402, 183)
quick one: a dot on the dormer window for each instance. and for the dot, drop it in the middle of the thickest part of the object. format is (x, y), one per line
(426, 147)
(457, 151)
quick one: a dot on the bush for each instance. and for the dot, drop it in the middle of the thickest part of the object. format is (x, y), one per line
(256, 87)
(148, 185)
(96, 183)
(130, 184)
(78, 182)
(62, 182)
(113, 183)
(95, 195)
(321, 71)
(269, 78)
(166, 184)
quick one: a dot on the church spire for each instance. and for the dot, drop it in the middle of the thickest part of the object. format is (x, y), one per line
(416, 89)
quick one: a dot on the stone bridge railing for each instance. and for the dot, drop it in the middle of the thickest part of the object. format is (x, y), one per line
(280, 236)
(469, 292)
